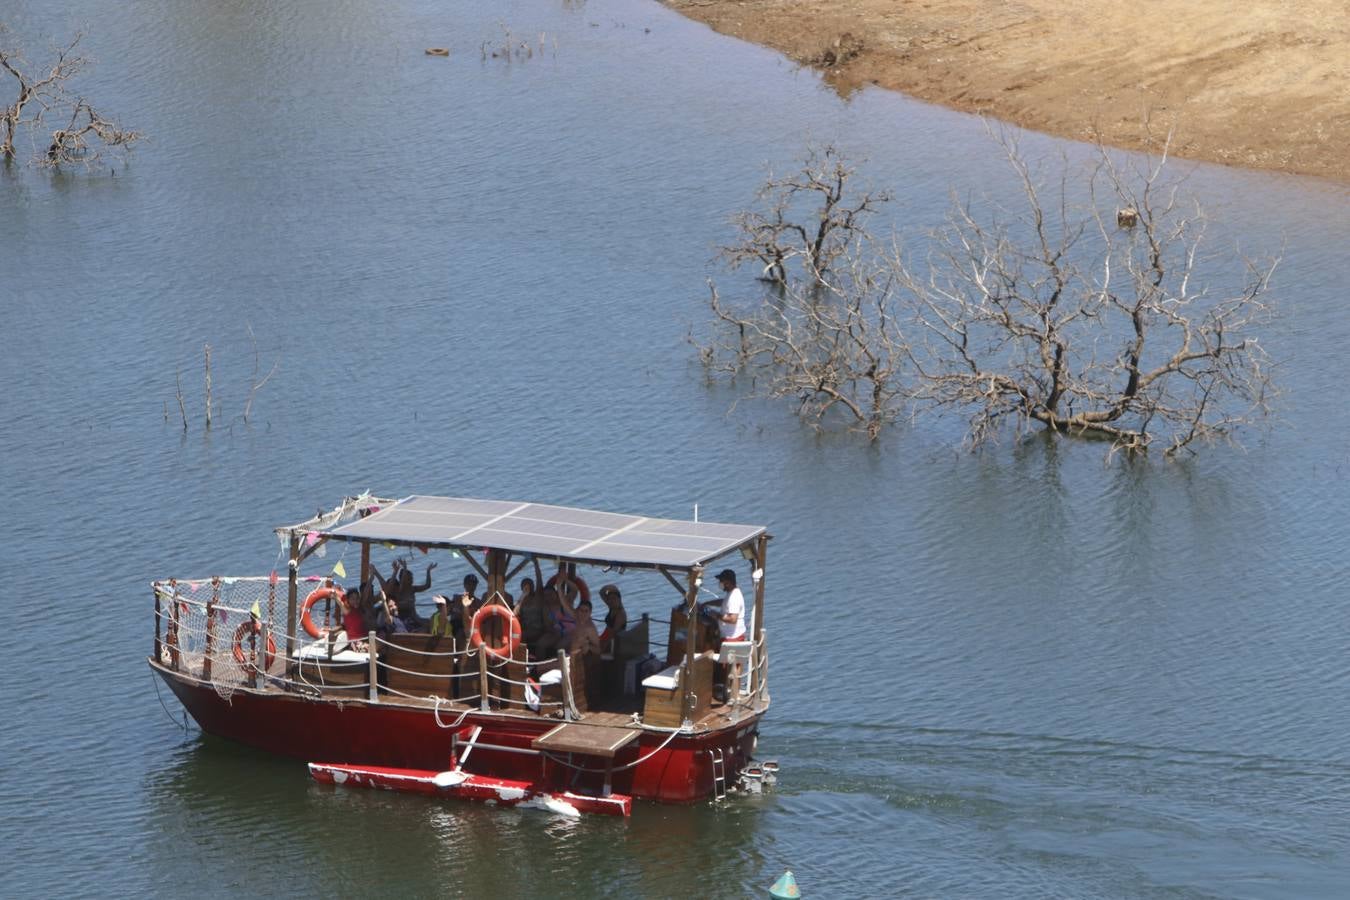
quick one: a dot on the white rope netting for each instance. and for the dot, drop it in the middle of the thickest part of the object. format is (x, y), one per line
(234, 603)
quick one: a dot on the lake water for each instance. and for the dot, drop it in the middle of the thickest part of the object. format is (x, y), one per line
(1026, 672)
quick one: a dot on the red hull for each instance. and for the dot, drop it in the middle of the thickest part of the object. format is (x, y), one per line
(388, 736)
(479, 788)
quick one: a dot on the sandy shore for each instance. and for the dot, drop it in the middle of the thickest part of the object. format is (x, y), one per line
(1262, 84)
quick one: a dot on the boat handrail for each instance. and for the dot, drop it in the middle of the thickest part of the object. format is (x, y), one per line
(190, 643)
(388, 643)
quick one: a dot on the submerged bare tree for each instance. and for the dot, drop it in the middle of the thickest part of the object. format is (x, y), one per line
(44, 99)
(1105, 319)
(779, 237)
(825, 334)
(832, 348)
(212, 405)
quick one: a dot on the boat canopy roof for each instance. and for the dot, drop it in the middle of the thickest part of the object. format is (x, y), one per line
(580, 535)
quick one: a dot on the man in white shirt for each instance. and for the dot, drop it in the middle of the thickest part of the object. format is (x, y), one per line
(730, 622)
(731, 619)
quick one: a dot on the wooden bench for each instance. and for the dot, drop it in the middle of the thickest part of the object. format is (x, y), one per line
(665, 693)
(421, 674)
(332, 668)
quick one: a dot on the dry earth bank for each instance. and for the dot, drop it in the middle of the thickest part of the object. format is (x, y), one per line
(1263, 84)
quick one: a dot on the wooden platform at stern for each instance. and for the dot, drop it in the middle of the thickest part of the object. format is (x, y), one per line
(592, 740)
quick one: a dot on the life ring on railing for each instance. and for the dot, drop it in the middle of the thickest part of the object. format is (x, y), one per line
(507, 649)
(577, 582)
(240, 633)
(315, 596)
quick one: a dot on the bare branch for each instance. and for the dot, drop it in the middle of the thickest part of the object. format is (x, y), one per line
(43, 92)
(1065, 315)
(1019, 310)
(255, 384)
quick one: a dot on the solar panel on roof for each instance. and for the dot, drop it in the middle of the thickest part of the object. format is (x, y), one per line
(544, 530)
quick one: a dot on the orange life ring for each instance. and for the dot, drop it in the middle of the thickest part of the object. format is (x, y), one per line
(582, 590)
(240, 633)
(315, 596)
(507, 649)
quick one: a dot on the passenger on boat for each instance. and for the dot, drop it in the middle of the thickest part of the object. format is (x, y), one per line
(526, 590)
(400, 586)
(442, 623)
(583, 638)
(616, 619)
(387, 620)
(731, 615)
(468, 603)
(354, 619)
(533, 616)
(367, 590)
(554, 628)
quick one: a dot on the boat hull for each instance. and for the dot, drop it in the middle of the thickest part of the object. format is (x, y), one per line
(655, 767)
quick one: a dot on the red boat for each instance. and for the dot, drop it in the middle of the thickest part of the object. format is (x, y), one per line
(497, 696)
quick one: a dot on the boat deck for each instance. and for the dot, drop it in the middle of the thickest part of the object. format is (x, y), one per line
(616, 712)
(624, 714)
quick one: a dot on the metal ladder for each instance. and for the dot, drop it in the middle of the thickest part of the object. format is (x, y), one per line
(719, 772)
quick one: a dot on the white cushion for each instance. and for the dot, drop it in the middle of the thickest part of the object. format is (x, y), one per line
(668, 679)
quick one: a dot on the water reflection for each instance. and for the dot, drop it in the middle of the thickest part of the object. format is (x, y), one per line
(212, 797)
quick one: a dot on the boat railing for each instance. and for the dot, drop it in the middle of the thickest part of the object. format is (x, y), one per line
(216, 629)
(758, 676)
(659, 647)
(230, 632)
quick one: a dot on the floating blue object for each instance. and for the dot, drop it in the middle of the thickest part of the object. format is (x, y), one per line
(785, 888)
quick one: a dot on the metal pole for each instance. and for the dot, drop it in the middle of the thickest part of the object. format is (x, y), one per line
(210, 628)
(371, 640)
(692, 628)
(172, 635)
(482, 680)
(761, 556)
(292, 591)
(158, 645)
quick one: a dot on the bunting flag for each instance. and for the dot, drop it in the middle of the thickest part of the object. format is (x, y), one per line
(310, 538)
(255, 610)
(340, 570)
(273, 578)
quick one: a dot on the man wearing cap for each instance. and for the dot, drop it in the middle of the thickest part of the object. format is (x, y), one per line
(731, 618)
